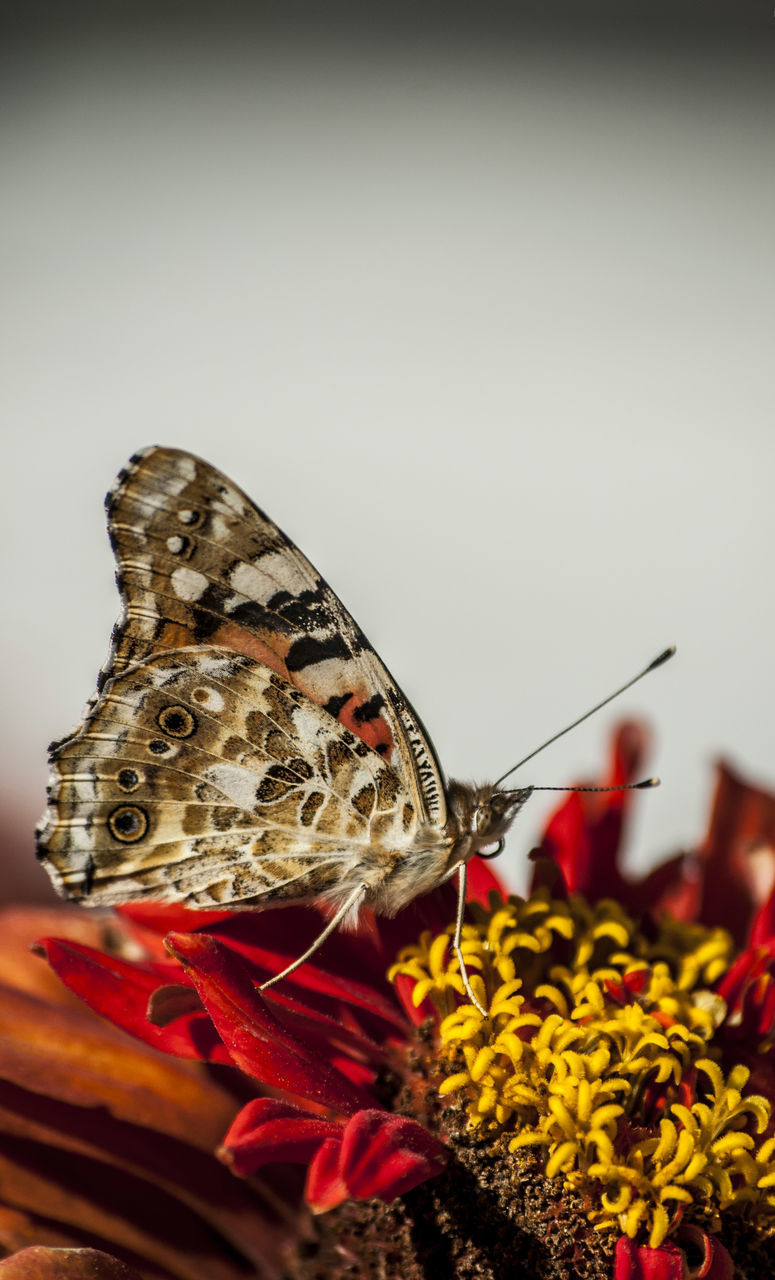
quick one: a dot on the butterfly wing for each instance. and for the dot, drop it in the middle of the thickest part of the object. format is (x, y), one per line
(199, 563)
(203, 776)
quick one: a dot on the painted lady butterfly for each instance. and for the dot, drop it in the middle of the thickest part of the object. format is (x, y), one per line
(246, 746)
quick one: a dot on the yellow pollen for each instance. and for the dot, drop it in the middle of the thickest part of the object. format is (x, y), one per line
(598, 1053)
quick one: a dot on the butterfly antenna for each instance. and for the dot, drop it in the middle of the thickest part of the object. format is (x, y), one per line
(644, 785)
(657, 662)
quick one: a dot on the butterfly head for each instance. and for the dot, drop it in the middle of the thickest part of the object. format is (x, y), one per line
(480, 816)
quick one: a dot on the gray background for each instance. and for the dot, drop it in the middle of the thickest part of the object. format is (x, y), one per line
(478, 304)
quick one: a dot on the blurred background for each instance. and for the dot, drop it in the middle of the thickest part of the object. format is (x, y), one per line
(477, 302)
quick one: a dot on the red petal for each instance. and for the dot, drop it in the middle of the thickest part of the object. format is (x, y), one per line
(716, 1263)
(267, 1129)
(482, 881)
(257, 1042)
(164, 917)
(41, 1263)
(434, 911)
(325, 1189)
(271, 941)
(585, 833)
(738, 853)
(638, 1262)
(330, 1036)
(150, 922)
(20, 926)
(675, 887)
(379, 1155)
(416, 1013)
(763, 927)
(120, 990)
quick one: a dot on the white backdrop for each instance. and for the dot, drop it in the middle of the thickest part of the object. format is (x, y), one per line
(488, 331)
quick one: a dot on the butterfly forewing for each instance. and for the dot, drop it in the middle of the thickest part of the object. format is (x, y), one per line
(200, 564)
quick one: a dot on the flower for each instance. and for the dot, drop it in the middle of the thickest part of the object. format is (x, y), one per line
(313, 1049)
(610, 1118)
(619, 1051)
(107, 1145)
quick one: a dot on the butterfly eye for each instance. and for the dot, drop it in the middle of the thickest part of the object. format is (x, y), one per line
(128, 823)
(177, 721)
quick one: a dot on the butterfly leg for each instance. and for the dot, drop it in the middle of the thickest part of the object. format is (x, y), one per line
(461, 910)
(354, 898)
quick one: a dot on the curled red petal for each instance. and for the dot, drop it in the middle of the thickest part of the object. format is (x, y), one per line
(121, 991)
(639, 1262)
(379, 1154)
(267, 1129)
(256, 1040)
(715, 1263)
(325, 1188)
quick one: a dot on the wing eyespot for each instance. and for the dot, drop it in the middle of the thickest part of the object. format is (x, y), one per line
(128, 823)
(181, 547)
(189, 518)
(177, 721)
(128, 780)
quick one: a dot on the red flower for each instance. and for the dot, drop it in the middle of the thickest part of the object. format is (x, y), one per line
(726, 880)
(315, 1056)
(107, 1143)
(638, 1262)
(317, 1042)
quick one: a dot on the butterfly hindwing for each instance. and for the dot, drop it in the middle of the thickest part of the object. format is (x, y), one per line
(204, 776)
(200, 564)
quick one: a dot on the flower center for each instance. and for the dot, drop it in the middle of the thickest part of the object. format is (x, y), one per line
(598, 1057)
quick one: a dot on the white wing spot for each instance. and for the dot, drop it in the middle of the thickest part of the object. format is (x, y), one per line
(175, 544)
(186, 516)
(232, 500)
(188, 584)
(209, 698)
(236, 782)
(220, 529)
(248, 581)
(276, 571)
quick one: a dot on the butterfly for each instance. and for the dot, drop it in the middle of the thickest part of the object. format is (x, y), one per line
(246, 746)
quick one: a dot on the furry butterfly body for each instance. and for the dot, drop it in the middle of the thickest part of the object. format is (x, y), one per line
(246, 745)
